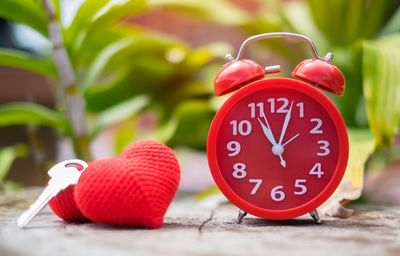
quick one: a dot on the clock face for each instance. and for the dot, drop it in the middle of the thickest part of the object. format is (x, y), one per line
(277, 148)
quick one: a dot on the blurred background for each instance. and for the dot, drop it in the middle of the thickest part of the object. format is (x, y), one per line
(86, 78)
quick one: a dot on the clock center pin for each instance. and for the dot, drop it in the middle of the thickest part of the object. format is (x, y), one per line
(277, 149)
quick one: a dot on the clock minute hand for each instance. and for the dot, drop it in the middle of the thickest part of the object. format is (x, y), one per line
(267, 132)
(285, 123)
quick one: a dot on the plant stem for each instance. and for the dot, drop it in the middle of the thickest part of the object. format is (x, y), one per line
(73, 103)
(36, 145)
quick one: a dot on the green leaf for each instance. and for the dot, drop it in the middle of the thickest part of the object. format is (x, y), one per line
(7, 157)
(28, 12)
(343, 22)
(21, 113)
(377, 13)
(113, 11)
(218, 11)
(95, 15)
(101, 61)
(147, 79)
(329, 17)
(393, 25)
(22, 60)
(104, 37)
(145, 66)
(381, 82)
(361, 146)
(83, 17)
(118, 113)
(189, 125)
(349, 61)
(124, 136)
(199, 57)
(297, 15)
(354, 20)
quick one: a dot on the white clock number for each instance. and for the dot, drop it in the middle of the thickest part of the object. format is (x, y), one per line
(244, 127)
(281, 109)
(316, 129)
(300, 105)
(323, 147)
(317, 170)
(277, 195)
(234, 147)
(284, 105)
(303, 188)
(252, 107)
(256, 186)
(239, 172)
(272, 105)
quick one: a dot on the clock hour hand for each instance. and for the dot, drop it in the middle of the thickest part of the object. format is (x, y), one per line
(277, 149)
(285, 123)
(267, 131)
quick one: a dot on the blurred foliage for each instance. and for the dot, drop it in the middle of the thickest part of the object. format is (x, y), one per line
(381, 63)
(124, 70)
(26, 61)
(189, 124)
(7, 157)
(121, 69)
(118, 113)
(30, 113)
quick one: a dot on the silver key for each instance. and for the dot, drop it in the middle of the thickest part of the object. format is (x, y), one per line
(62, 175)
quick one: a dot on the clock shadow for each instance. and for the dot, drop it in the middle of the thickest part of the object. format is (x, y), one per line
(259, 222)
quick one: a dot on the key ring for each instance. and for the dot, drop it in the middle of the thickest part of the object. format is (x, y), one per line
(67, 164)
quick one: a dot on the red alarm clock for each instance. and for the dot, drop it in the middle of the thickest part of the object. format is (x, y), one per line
(278, 147)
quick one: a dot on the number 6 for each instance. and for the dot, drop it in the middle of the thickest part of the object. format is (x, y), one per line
(277, 195)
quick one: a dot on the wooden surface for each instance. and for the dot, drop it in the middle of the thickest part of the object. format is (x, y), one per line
(201, 228)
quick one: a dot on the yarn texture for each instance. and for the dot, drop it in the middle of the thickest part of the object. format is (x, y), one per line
(133, 189)
(64, 206)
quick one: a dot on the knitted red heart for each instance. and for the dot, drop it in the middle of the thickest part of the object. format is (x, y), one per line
(133, 189)
(64, 206)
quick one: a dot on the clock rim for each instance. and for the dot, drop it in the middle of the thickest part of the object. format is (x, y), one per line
(316, 95)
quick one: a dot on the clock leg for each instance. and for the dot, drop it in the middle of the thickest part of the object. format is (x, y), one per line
(315, 216)
(241, 215)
